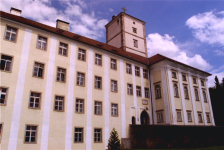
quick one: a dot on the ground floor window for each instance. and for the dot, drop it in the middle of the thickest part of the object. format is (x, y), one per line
(31, 134)
(78, 135)
(97, 135)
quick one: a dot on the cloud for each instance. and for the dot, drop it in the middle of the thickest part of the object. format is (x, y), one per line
(110, 9)
(208, 27)
(219, 52)
(85, 24)
(164, 45)
(217, 72)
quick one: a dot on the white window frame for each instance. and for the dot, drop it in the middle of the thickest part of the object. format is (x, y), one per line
(179, 116)
(186, 95)
(98, 82)
(8, 62)
(114, 109)
(146, 92)
(97, 135)
(176, 91)
(79, 106)
(80, 79)
(135, 43)
(160, 116)
(3, 93)
(113, 64)
(41, 42)
(61, 72)
(98, 108)
(128, 68)
(137, 71)
(196, 94)
(37, 68)
(113, 86)
(138, 91)
(98, 59)
(30, 134)
(145, 73)
(78, 134)
(11, 32)
(82, 54)
(189, 116)
(63, 48)
(130, 89)
(36, 97)
(158, 91)
(60, 103)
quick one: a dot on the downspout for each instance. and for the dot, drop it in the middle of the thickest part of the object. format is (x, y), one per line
(150, 93)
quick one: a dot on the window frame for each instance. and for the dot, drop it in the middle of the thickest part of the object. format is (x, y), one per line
(37, 72)
(200, 113)
(1, 131)
(189, 112)
(63, 107)
(138, 71)
(43, 36)
(134, 30)
(160, 94)
(83, 105)
(17, 32)
(58, 67)
(101, 114)
(179, 119)
(115, 64)
(131, 89)
(97, 59)
(39, 100)
(82, 134)
(127, 69)
(79, 48)
(145, 76)
(197, 97)
(135, 42)
(11, 65)
(176, 91)
(6, 95)
(116, 85)
(145, 92)
(185, 77)
(208, 116)
(101, 135)
(138, 89)
(112, 110)
(194, 79)
(36, 135)
(204, 96)
(186, 95)
(174, 74)
(83, 79)
(157, 116)
(62, 51)
(100, 82)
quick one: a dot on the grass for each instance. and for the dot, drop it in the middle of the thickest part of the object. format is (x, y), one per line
(206, 148)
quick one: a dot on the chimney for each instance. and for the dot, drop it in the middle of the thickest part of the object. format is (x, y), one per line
(113, 17)
(15, 11)
(62, 25)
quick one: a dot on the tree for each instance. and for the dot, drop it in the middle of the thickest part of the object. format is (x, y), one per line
(217, 100)
(114, 142)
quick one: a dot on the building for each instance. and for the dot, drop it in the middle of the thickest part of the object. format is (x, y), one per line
(60, 90)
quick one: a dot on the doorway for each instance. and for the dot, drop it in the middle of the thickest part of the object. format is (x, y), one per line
(133, 120)
(144, 118)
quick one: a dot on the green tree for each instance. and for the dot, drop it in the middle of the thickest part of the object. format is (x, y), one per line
(114, 141)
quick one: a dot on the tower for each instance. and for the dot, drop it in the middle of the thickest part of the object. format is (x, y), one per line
(128, 33)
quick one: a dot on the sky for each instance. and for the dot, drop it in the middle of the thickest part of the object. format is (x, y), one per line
(189, 31)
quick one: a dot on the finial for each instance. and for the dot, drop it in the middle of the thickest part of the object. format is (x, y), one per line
(124, 9)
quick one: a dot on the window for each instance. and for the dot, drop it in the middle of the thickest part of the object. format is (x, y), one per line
(134, 30)
(97, 135)
(137, 71)
(135, 43)
(194, 81)
(0, 132)
(205, 97)
(158, 91)
(34, 100)
(82, 55)
(6, 62)
(38, 70)
(130, 89)
(78, 135)
(98, 83)
(184, 77)
(61, 75)
(174, 75)
(59, 103)
(79, 106)
(63, 49)
(146, 92)
(200, 118)
(31, 134)
(133, 22)
(114, 110)
(145, 73)
(98, 108)
(113, 64)
(208, 118)
(179, 117)
(186, 92)
(98, 59)
(189, 116)
(196, 94)
(128, 68)
(42, 43)
(80, 79)
(202, 83)
(10, 34)
(176, 93)
(113, 86)
(3, 95)
(159, 116)
(138, 90)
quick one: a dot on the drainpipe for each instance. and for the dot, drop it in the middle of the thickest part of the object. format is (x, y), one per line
(151, 94)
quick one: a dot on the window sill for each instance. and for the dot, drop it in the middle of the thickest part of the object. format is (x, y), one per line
(78, 142)
(79, 112)
(34, 108)
(80, 85)
(60, 81)
(6, 71)
(30, 142)
(41, 49)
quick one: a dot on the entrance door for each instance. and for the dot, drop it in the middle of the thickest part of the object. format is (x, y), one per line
(133, 120)
(144, 118)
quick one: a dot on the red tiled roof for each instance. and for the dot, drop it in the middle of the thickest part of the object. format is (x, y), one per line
(82, 39)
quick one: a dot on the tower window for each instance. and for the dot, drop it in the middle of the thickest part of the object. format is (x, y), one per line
(133, 22)
(135, 43)
(134, 30)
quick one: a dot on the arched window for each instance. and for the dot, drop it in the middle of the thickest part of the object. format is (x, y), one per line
(175, 87)
(196, 94)
(186, 92)
(204, 95)
(158, 91)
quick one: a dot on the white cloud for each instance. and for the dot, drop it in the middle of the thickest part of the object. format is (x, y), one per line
(110, 9)
(219, 52)
(42, 11)
(208, 27)
(164, 45)
(217, 72)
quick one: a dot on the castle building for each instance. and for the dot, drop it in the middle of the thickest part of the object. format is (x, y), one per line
(60, 90)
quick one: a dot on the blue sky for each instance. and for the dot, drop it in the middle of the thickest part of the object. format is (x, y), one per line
(188, 31)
